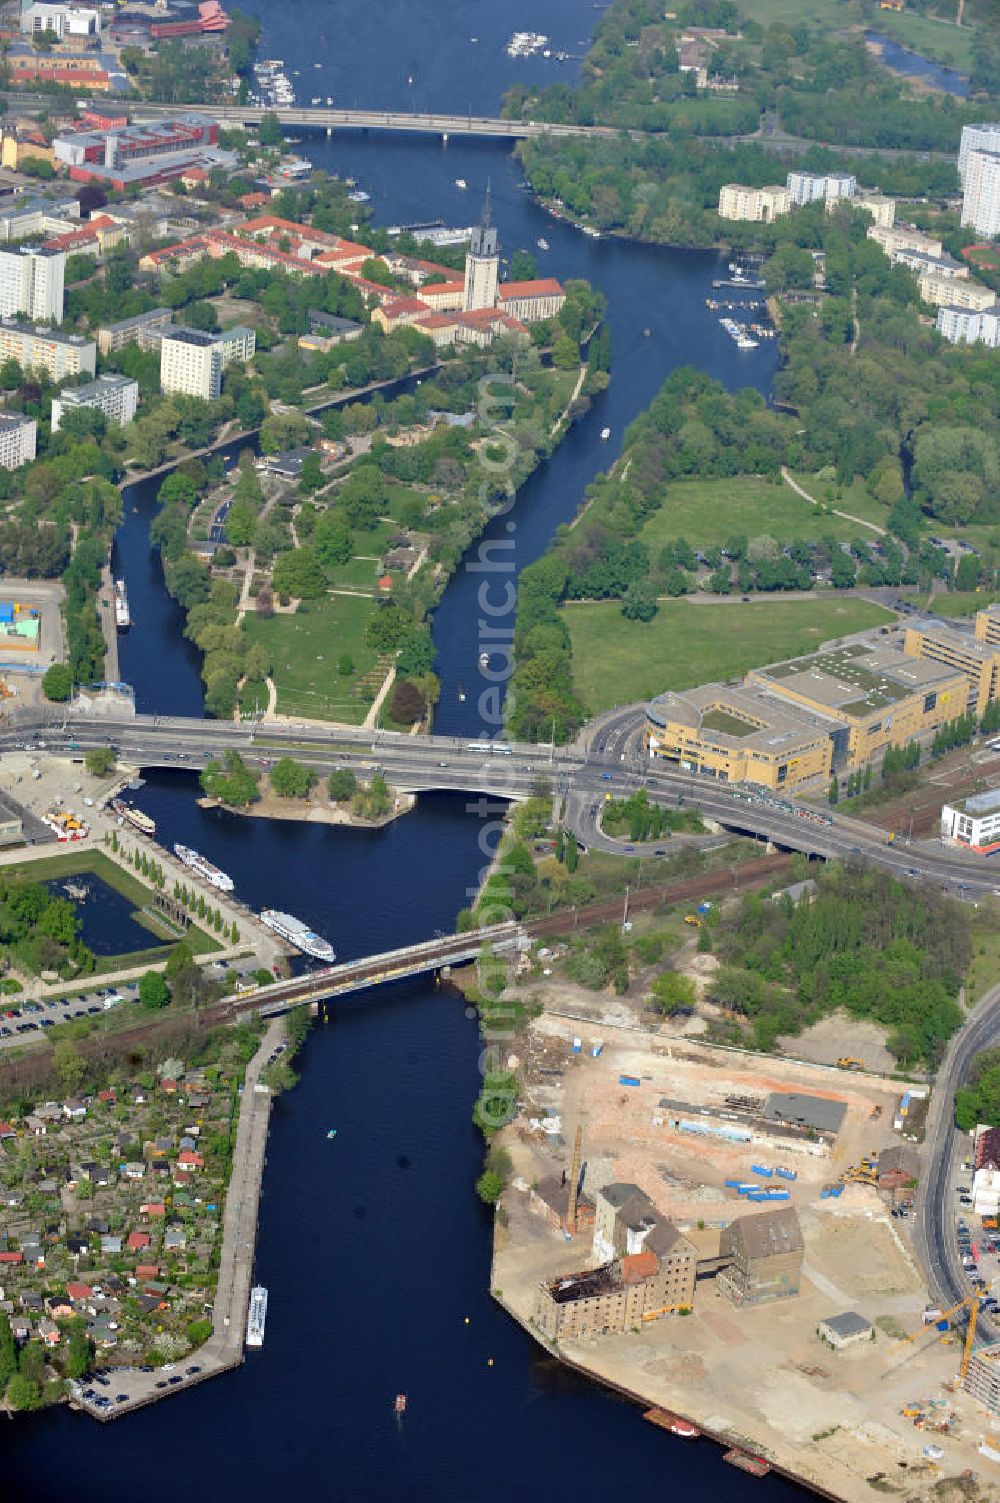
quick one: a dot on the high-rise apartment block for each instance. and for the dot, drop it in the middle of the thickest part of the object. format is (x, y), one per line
(31, 282)
(192, 361)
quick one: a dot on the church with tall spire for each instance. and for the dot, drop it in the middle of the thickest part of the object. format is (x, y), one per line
(482, 265)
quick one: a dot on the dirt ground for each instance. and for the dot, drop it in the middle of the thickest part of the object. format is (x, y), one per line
(757, 1376)
(838, 1036)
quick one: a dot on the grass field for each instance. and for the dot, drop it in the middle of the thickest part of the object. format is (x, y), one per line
(960, 603)
(616, 661)
(937, 40)
(710, 511)
(983, 255)
(853, 498)
(304, 650)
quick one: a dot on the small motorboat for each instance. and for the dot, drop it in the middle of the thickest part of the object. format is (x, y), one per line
(484, 660)
(605, 434)
(461, 183)
(646, 333)
(461, 694)
(332, 1133)
(399, 1405)
(542, 244)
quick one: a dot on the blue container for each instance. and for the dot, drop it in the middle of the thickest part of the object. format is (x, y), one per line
(733, 1184)
(786, 1173)
(761, 1169)
(941, 1325)
(777, 1195)
(757, 1195)
(6, 611)
(836, 1189)
(632, 1080)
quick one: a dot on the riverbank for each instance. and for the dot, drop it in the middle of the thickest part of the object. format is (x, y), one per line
(754, 1375)
(309, 811)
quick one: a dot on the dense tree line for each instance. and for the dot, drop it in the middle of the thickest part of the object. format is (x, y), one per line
(868, 944)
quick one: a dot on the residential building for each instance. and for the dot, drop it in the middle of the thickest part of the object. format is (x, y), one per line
(981, 197)
(977, 138)
(982, 1378)
(978, 659)
(974, 822)
(898, 237)
(765, 1257)
(965, 326)
(18, 436)
(760, 205)
(116, 396)
(97, 72)
(482, 264)
(192, 361)
(955, 292)
(26, 145)
(136, 330)
(37, 218)
(925, 263)
(845, 1330)
(881, 209)
(39, 348)
(987, 624)
(31, 282)
(810, 187)
(607, 1300)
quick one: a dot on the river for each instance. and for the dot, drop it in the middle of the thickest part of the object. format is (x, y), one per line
(899, 59)
(373, 1246)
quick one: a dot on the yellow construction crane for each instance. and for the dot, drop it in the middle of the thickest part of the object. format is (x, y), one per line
(972, 1302)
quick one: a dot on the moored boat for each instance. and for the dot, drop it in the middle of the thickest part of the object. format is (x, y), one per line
(202, 867)
(298, 934)
(257, 1316)
(135, 817)
(123, 616)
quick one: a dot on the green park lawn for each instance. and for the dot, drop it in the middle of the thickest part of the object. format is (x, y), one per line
(616, 661)
(707, 512)
(304, 650)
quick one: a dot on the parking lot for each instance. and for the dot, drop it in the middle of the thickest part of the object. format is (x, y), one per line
(978, 1243)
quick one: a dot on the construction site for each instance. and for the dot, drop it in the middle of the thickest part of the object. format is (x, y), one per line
(803, 1339)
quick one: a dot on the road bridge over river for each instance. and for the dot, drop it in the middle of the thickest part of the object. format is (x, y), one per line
(330, 117)
(606, 758)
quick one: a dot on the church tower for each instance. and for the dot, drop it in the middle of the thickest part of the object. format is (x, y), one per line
(482, 264)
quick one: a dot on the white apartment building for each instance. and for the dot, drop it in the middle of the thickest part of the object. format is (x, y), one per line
(977, 138)
(18, 435)
(192, 361)
(31, 282)
(966, 326)
(116, 396)
(759, 205)
(981, 199)
(812, 187)
(955, 292)
(927, 265)
(60, 355)
(900, 237)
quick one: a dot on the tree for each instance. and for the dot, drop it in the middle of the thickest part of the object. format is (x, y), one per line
(23, 1393)
(639, 601)
(70, 1066)
(78, 1354)
(8, 1351)
(99, 761)
(345, 665)
(289, 779)
(407, 704)
(342, 784)
(565, 353)
(269, 132)
(673, 993)
(57, 682)
(231, 780)
(489, 1187)
(299, 573)
(154, 992)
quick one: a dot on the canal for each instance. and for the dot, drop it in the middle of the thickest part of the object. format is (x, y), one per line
(373, 1246)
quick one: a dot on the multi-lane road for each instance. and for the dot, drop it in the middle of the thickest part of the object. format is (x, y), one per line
(606, 758)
